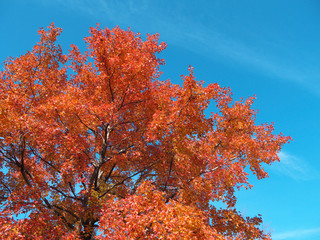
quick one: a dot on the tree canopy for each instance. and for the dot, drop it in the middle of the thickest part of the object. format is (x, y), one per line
(94, 145)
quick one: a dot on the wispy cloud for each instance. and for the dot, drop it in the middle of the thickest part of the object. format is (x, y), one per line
(215, 42)
(186, 31)
(298, 234)
(294, 167)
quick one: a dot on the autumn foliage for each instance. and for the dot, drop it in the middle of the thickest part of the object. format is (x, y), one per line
(94, 146)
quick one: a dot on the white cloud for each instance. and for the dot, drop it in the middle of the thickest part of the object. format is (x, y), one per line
(294, 167)
(212, 42)
(197, 36)
(297, 234)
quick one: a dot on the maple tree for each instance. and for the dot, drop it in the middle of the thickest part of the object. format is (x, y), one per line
(94, 146)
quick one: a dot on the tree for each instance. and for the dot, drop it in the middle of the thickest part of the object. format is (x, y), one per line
(94, 146)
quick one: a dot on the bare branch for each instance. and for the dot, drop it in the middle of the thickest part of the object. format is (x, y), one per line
(72, 190)
(129, 177)
(85, 124)
(21, 164)
(43, 160)
(124, 96)
(67, 211)
(109, 79)
(210, 170)
(110, 172)
(3, 184)
(141, 177)
(124, 150)
(135, 102)
(64, 194)
(93, 114)
(169, 174)
(57, 213)
(63, 123)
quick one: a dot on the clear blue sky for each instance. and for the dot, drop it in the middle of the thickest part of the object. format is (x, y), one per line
(267, 48)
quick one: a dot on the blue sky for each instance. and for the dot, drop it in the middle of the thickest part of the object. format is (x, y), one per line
(266, 48)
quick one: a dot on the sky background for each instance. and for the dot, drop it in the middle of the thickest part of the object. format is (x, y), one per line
(265, 48)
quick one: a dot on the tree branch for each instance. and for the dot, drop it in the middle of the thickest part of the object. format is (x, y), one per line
(57, 213)
(124, 96)
(67, 211)
(64, 194)
(85, 124)
(129, 177)
(169, 174)
(110, 172)
(43, 160)
(60, 120)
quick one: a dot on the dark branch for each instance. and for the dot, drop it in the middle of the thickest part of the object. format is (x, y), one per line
(85, 124)
(169, 174)
(124, 96)
(57, 213)
(67, 211)
(129, 177)
(64, 194)
(110, 172)
(43, 160)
